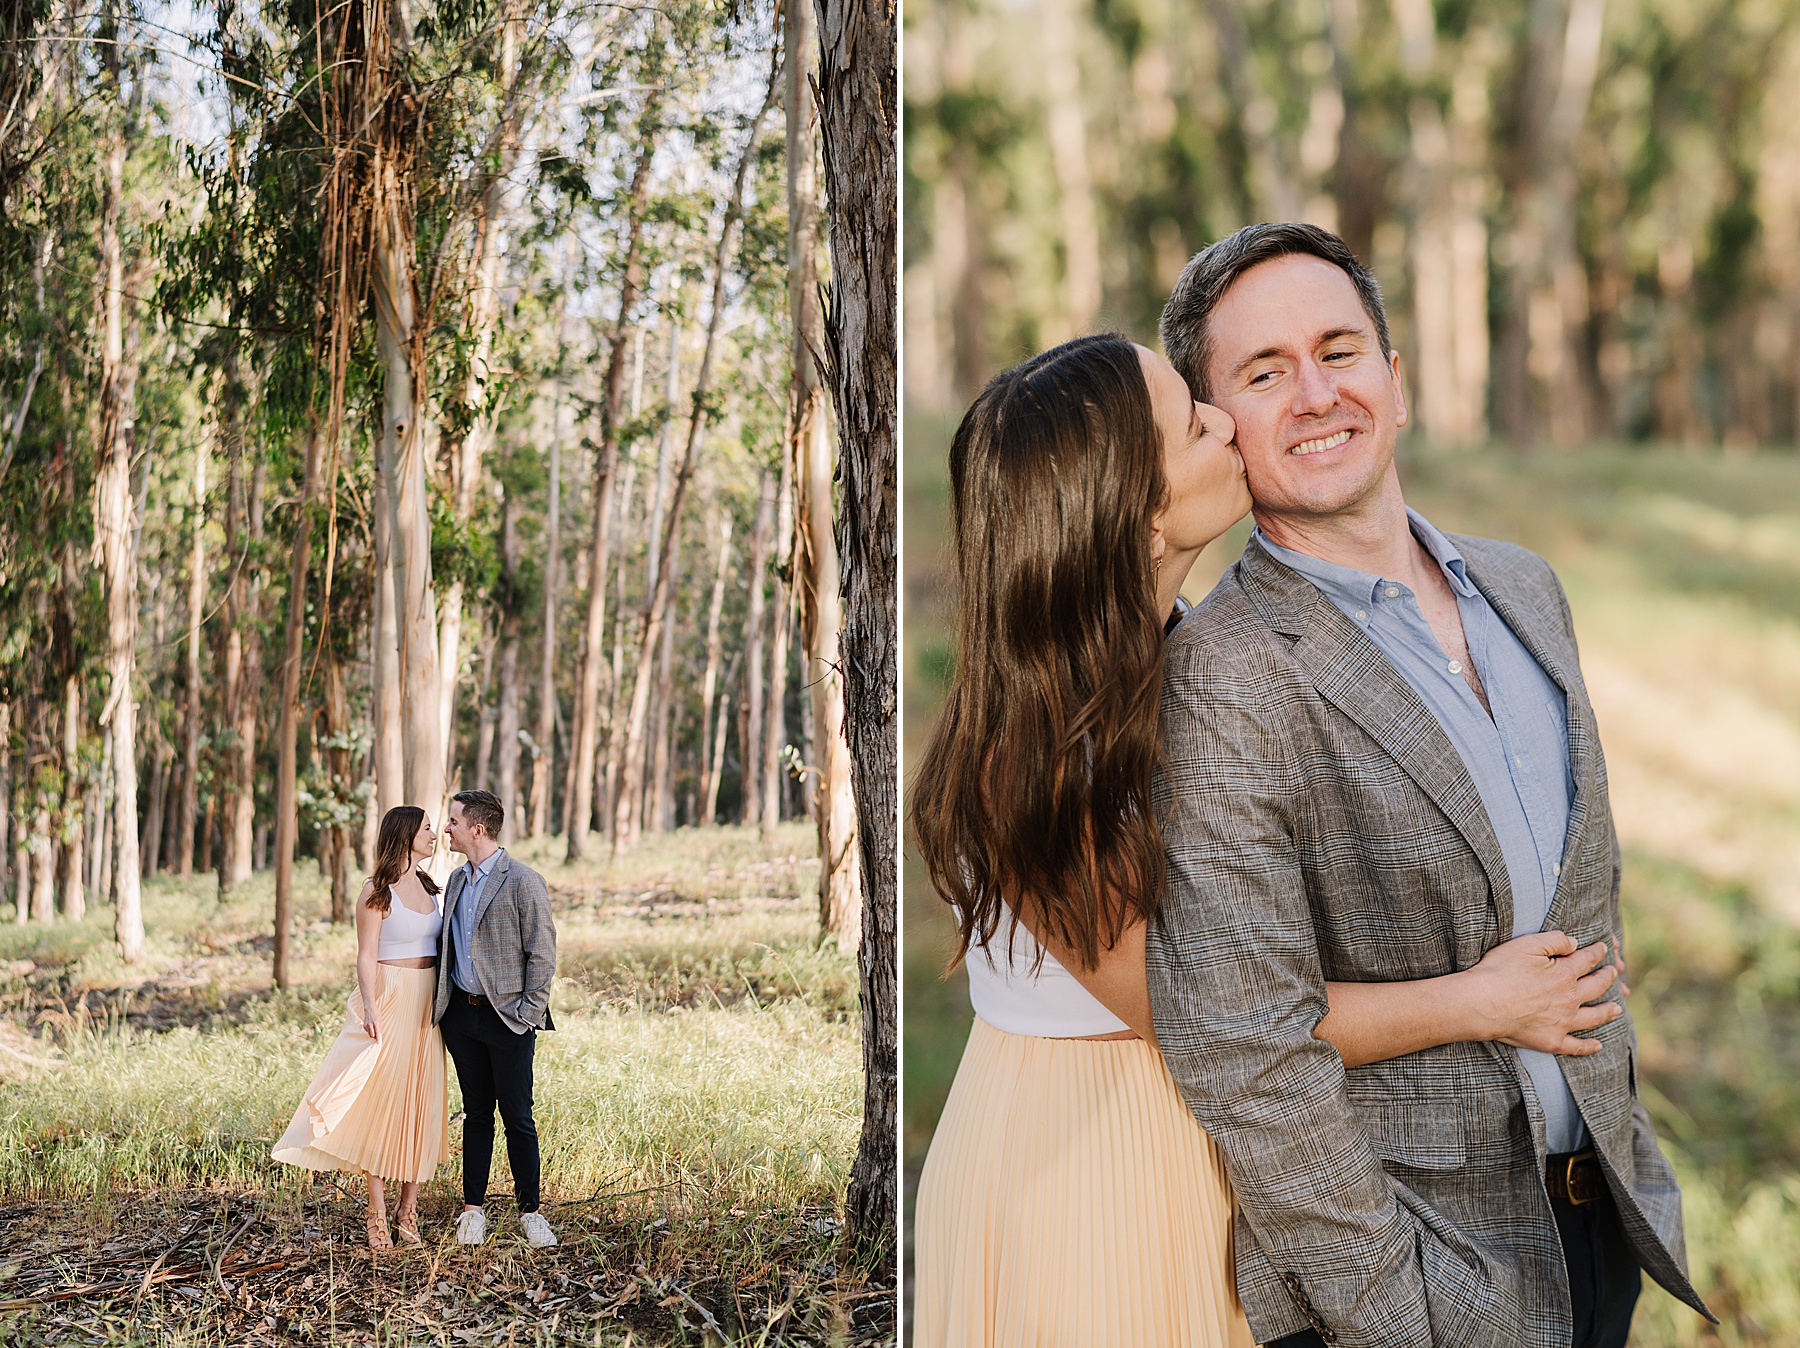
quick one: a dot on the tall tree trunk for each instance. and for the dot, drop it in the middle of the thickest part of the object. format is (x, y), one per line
(816, 578)
(153, 818)
(750, 742)
(43, 868)
(190, 749)
(115, 529)
(709, 686)
(237, 657)
(390, 735)
(508, 727)
(1541, 385)
(100, 829)
(780, 636)
(287, 810)
(484, 319)
(250, 678)
(337, 762)
(543, 759)
(858, 112)
(74, 878)
(593, 660)
(1272, 193)
(408, 498)
(659, 806)
(1447, 236)
(484, 733)
(7, 832)
(1067, 128)
(656, 610)
(19, 809)
(709, 804)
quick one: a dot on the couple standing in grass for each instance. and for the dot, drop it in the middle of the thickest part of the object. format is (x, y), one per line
(472, 977)
(1291, 922)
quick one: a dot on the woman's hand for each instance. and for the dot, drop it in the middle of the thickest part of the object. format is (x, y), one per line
(371, 1025)
(1539, 991)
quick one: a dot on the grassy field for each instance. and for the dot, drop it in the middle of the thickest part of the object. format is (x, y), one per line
(698, 1105)
(1683, 571)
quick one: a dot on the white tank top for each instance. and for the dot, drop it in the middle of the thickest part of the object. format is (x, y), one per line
(408, 935)
(1051, 1004)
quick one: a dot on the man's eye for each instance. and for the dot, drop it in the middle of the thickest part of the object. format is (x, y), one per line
(1339, 355)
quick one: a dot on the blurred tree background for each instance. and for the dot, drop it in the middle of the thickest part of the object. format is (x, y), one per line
(1585, 216)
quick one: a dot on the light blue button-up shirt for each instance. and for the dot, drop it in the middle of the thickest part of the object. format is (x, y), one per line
(1518, 757)
(462, 922)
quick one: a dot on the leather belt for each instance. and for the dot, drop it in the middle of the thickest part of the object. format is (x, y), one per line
(475, 998)
(1574, 1177)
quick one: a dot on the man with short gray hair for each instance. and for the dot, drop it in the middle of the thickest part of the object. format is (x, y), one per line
(1381, 762)
(496, 957)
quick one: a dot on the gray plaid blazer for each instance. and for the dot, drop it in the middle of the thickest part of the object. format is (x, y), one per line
(513, 948)
(1321, 826)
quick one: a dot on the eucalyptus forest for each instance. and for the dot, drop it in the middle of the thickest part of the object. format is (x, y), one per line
(408, 396)
(406, 401)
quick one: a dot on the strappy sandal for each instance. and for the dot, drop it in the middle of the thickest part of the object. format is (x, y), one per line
(406, 1224)
(379, 1239)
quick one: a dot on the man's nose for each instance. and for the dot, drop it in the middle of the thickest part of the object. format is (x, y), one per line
(1315, 390)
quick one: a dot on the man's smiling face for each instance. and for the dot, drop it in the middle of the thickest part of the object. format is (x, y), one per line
(1296, 362)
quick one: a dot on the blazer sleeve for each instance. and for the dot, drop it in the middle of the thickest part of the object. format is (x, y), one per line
(537, 938)
(1236, 989)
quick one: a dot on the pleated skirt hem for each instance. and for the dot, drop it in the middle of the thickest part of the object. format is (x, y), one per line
(378, 1105)
(1069, 1200)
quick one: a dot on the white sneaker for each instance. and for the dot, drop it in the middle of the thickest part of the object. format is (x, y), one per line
(537, 1230)
(471, 1226)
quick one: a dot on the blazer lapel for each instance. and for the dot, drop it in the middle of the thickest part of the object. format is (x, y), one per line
(1579, 716)
(496, 878)
(1356, 678)
(453, 888)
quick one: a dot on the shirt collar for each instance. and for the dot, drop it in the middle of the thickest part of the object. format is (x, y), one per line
(481, 872)
(1350, 588)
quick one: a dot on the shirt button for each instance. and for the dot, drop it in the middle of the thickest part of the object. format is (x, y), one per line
(1393, 592)
(1456, 666)
(1556, 868)
(1362, 615)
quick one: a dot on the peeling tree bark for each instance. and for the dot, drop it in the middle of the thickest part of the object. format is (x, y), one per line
(816, 575)
(859, 115)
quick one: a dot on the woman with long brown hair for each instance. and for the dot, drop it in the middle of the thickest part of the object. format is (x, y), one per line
(377, 1104)
(1069, 1198)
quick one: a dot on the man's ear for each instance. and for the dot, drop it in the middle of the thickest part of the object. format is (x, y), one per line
(1400, 413)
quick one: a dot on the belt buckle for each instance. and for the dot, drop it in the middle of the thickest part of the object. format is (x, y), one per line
(1569, 1180)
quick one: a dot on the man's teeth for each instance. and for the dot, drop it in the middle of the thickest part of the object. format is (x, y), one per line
(1319, 446)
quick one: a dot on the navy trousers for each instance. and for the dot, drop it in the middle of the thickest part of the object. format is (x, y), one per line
(493, 1066)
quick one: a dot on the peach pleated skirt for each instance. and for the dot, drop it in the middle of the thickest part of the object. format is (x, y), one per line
(1070, 1200)
(378, 1105)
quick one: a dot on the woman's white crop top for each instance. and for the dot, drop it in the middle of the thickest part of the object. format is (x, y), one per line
(408, 935)
(1050, 1003)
